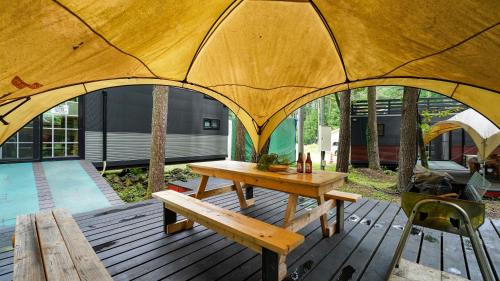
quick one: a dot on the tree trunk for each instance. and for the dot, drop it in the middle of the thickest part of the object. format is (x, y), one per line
(239, 149)
(408, 139)
(344, 148)
(371, 130)
(156, 178)
(421, 145)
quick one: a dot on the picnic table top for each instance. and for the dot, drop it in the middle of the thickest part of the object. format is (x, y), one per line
(315, 179)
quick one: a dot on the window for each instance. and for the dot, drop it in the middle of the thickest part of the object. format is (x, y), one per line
(211, 124)
(20, 145)
(380, 130)
(208, 97)
(60, 130)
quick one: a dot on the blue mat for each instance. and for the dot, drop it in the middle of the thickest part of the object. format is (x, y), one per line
(72, 188)
(18, 194)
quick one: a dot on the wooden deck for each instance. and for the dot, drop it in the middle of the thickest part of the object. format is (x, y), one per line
(130, 242)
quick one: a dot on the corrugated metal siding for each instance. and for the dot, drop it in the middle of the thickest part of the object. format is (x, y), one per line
(93, 146)
(136, 146)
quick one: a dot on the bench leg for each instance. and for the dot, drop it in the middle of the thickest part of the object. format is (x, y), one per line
(273, 266)
(326, 229)
(170, 223)
(339, 220)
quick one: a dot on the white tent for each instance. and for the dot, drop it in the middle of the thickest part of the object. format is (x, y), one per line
(484, 133)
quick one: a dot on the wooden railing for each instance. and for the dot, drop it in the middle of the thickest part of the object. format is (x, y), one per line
(393, 106)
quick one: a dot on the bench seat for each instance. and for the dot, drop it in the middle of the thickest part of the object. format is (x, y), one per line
(50, 246)
(271, 241)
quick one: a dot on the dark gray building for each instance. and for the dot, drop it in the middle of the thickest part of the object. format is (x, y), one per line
(114, 125)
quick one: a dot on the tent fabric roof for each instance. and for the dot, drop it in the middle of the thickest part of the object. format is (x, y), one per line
(486, 135)
(263, 59)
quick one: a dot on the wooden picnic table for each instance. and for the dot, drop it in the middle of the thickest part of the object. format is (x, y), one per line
(318, 185)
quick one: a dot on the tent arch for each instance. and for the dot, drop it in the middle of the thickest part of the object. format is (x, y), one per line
(48, 99)
(258, 134)
(446, 88)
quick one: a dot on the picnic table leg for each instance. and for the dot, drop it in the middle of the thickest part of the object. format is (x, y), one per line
(249, 192)
(326, 229)
(339, 220)
(290, 209)
(239, 191)
(200, 190)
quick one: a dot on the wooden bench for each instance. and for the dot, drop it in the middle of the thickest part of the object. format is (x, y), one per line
(50, 246)
(340, 197)
(273, 242)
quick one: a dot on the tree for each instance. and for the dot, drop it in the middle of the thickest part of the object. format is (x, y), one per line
(371, 130)
(408, 139)
(240, 145)
(156, 180)
(421, 145)
(344, 149)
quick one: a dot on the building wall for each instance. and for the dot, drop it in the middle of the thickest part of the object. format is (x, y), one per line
(129, 126)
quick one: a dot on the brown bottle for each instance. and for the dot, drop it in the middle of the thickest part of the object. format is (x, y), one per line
(309, 164)
(300, 164)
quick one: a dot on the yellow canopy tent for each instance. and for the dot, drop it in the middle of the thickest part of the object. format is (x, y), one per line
(263, 59)
(484, 134)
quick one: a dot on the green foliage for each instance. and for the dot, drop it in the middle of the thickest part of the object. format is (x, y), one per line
(429, 115)
(271, 159)
(131, 184)
(310, 123)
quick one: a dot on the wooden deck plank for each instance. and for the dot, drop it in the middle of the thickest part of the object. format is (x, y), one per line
(358, 261)
(157, 258)
(430, 254)
(28, 255)
(57, 260)
(453, 255)
(137, 240)
(157, 242)
(471, 261)
(232, 262)
(206, 263)
(491, 241)
(315, 252)
(247, 261)
(332, 262)
(87, 264)
(378, 267)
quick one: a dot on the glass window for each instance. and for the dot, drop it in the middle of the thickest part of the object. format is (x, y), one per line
(9, 151)
(72, 149)
(72, 122)
(211, 124)
(26, 150)
(60, 130)
(72, 136)
(20, 145)
(47, 150)
(26, 134)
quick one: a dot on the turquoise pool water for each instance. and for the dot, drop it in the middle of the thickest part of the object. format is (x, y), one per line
(72, 188)
(18, 194)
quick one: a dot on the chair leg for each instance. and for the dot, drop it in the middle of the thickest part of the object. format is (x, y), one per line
(482, 260)
(402, 242)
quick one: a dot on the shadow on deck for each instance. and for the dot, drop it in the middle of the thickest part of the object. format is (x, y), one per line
(131, 244)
